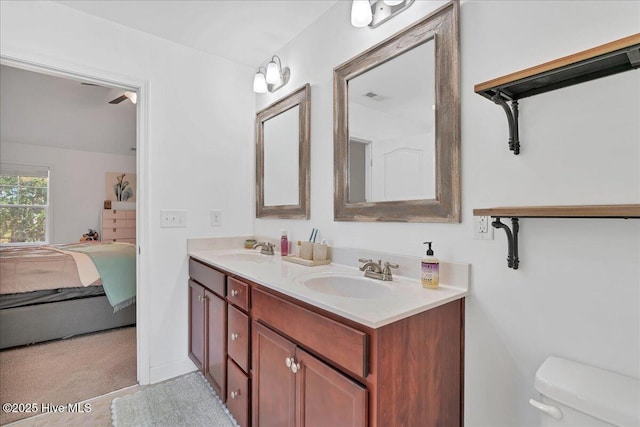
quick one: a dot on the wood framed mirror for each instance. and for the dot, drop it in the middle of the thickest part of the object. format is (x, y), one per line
(282, 157)
(397, 126)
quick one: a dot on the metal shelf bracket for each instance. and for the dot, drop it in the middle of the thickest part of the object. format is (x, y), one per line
(512, 118)
(512, 239)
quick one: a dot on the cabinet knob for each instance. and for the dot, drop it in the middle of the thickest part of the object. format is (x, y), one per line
(292, 364)
(234, 292)
(114, 221)
(235, 337)
(235, 394)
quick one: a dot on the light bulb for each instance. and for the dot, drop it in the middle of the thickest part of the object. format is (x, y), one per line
(392, 2)
(273, 73)
(259, 83)
(361, 15)
(133, 97)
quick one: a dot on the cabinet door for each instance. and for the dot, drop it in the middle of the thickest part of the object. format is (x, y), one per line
(216, 357)
(326, 397)
(196, 324)
(273, 382)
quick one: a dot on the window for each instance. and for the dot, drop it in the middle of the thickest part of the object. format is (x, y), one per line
(24, 204)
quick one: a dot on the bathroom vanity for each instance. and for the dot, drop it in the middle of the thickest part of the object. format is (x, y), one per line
(284, 344)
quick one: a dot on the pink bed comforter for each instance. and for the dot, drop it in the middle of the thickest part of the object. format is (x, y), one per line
(34, 268)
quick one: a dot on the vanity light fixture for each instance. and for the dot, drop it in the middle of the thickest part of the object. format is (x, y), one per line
(272, 78)
(374, 12)
(259, 81)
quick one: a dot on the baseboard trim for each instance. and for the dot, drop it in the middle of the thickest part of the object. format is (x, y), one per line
(171, 370)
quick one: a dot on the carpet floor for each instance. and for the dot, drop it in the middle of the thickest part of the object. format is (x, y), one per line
(66, 371)
(186, 401)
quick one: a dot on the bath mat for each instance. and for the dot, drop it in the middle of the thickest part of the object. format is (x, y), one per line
(185, 401)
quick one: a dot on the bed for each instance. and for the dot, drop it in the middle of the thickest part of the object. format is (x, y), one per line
(52, 292)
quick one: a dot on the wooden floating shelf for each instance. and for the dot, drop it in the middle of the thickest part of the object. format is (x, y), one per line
(576, 211)
(601, 61)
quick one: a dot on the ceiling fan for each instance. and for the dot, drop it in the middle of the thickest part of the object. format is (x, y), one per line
(131, 96)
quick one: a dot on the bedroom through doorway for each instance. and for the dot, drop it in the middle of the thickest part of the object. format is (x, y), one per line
(68, 236)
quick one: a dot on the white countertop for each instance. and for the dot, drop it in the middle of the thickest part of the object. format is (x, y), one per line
(394, 300)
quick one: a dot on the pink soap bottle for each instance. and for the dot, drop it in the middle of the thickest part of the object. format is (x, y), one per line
(284, 243)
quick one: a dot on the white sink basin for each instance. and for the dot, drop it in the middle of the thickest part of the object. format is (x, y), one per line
(346, 286)
(247, 257)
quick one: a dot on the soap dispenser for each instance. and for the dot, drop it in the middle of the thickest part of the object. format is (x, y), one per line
(284, 243)
(430, 277)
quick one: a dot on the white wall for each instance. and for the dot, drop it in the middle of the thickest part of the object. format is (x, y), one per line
(576, 293)
(76, 184)
(200, 137)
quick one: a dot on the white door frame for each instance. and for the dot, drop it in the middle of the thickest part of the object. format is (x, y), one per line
(56, 67)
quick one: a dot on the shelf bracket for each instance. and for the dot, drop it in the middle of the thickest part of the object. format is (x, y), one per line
(512, 240)
(512, 118)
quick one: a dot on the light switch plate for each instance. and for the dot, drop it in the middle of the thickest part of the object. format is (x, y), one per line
(173, 218)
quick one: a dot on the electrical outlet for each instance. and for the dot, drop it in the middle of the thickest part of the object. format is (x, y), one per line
(483, 230)
(216, 218)
(173, 218)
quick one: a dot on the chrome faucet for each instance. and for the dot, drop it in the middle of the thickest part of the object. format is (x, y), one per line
(267, 247)
(375, 270)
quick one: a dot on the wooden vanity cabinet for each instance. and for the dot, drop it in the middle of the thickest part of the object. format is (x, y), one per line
(407, 373)
(208, 324)
(277, 361)
(294, 388)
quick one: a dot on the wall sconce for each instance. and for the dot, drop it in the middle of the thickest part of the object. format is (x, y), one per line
(374, 12)
(272, 78)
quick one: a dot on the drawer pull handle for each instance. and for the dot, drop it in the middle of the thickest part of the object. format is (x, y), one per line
(114, 230)
(234, 292)
(235, 337)
(235, 394)
(114, 221)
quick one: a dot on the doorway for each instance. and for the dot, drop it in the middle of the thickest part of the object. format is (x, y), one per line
(91, 76)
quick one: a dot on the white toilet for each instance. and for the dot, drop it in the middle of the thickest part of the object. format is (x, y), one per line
(578, 395)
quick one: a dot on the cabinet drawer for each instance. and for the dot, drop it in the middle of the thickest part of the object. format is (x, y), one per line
(130, 215)
(345, 346)
(238, 337)
(238, 394)
(238, 293)
(118, 233)
(207, 276)
(115, 214)
(114, 222)
(120, 240)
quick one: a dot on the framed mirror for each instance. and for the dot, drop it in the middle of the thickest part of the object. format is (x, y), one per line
(282, 157)
(397, 126)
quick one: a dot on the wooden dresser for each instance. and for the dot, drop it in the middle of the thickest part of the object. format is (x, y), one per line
(118, 226)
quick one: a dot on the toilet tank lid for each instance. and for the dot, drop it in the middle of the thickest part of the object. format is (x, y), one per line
(603, 394)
